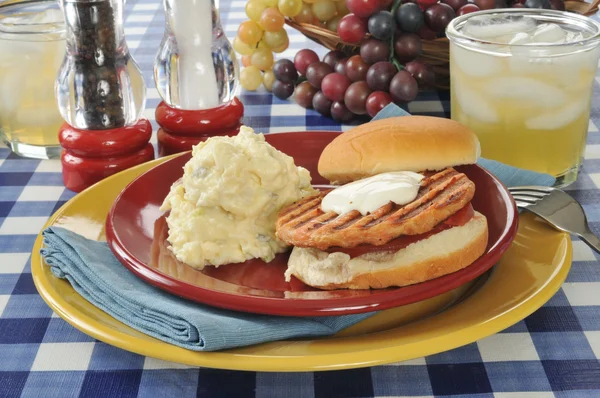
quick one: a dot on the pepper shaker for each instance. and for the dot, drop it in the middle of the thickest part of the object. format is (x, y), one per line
(196, 75)
(101, 94)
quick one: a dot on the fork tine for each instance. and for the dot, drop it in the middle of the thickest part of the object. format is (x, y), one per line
(522, 204)
(540, 189)
(525, 199)
(532, 195)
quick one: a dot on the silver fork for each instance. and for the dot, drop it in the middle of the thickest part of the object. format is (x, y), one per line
(558, 208)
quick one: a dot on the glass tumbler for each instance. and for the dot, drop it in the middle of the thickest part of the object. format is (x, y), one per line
(32, 47)
(522, 80)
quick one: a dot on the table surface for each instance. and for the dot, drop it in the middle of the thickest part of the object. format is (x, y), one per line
(554, 352)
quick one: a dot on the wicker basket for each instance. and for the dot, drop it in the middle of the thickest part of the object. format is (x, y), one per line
(435, 52)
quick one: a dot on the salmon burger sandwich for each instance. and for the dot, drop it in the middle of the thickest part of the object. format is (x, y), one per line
(399, 214)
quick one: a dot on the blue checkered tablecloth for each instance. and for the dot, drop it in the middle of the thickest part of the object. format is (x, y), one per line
(554, 352)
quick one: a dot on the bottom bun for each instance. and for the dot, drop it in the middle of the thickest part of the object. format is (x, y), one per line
(438, 255)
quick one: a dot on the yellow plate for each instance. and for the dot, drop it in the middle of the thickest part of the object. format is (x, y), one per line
(528, 275)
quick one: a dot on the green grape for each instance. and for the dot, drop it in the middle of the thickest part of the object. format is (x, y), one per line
(275, 39)
(342, 9)
(306, 14)
(332, 24)
(272, 20)
(290, 8)
(262, 59)
(251, 78)
(241, 47)
(324, 10)
(270, 3)
(283, 47)
(268, 80)
(250, 32)
(254, 9)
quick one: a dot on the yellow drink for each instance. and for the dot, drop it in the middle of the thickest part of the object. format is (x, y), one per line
(528, 103)
(31, 53)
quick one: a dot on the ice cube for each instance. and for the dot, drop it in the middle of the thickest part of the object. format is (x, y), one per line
(475, 105)
(520, 38)
(574, 37)
(486, 27)
(557, 119)
(50, 19)
(549, 33)
(50, 15)
(474, 63)
(565, 70)
(525, 89)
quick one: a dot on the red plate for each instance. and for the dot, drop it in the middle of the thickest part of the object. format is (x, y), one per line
(136, 232)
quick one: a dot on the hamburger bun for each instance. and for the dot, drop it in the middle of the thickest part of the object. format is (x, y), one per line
(407, 143)
(438, 255)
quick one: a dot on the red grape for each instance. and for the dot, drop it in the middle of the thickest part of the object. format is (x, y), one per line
(408, 47)
(356, 68)
(334, 86)
(377, 101)
(438, 16)
(517, 5)
(422, 72)
(352, 29)
(403, 87)
(427, 34)
(425, 4)
(373, 50)
(385, 4)
(285, 71)
(332, 57)
(322, 104)
(340, 66)
(304, 58)
(469, 8)
(356, 96)
(304, 93)
(340, 113)
(485, 4)
(380, 75)
(455, 4)
(282, 90)
(316, 72)
(362, 8)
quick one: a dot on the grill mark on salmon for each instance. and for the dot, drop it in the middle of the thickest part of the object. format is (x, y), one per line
(442, 194)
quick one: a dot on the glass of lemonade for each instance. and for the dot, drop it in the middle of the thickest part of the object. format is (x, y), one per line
(522, 79)
(32, 48)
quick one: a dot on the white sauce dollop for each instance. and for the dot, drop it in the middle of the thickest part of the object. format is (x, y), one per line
(369, 194)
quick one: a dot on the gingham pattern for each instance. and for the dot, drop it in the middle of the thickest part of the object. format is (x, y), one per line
(554, 352)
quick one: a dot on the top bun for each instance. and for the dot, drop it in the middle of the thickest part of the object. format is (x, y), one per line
(406, 143)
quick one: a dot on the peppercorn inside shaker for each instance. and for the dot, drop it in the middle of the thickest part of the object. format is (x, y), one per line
(99, 85)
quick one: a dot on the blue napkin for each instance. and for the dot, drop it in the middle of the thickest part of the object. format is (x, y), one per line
(99, 277)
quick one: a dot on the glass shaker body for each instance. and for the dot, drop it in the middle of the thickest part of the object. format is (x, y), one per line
(195, 67)
(99, 85)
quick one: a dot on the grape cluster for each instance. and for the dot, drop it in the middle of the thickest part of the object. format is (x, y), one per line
(388, 34)
(343, 87)
(263, 34)
(426, 19)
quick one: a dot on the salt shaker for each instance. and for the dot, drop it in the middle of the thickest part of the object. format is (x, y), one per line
(196, 74)
(101, 95)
